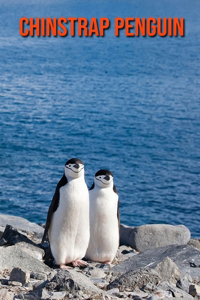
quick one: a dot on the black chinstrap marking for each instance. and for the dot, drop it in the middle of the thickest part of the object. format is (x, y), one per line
(103, 182)
(73, 170)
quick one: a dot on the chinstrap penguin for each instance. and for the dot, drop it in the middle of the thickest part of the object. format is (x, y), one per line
(67, 222)
(104, 218)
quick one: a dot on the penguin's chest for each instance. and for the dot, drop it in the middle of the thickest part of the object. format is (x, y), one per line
(72, 195)
(74, 200)
(103, 204)
(104, 231)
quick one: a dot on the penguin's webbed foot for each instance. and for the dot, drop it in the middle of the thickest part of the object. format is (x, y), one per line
(107, 262)
(79, 263)
(64, 267)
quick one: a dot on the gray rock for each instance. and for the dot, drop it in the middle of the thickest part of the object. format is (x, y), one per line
(4, 281)
(183, 285)
(97, 273)
(44, 294)
(51, 275)
(148, 237)
(137, 295)
(1, 231)
(6, 295)
(125, 233)
(3, 242)
(168, 270)
(195, 243)
(14, 283)
(32, 250)
(12, 236)
(154, 297)
(187, 258)
(164, 294)
(17, 274)
(113, 291)
(176, 292)
(124, 252)
(150, 287)
(135, 279)
(38, 276)
(21, 223)
(99, 282)
(11, 257)
(71, 281)
(194, 289)
(39, 284)
(38, 294)
(58, 295)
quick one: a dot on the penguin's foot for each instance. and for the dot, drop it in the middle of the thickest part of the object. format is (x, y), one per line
(64, 267)
(107, 262)
(79, 263)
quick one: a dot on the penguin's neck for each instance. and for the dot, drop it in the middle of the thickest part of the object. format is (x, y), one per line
(108, 187)
(102, 190)
(71, 179)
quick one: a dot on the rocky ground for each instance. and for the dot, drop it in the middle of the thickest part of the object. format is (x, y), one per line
(153, 262)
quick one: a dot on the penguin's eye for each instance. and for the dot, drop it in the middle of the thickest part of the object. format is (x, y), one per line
(69, 165)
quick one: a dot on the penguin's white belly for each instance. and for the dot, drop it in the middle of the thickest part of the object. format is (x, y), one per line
(104, 230)
(69, 230)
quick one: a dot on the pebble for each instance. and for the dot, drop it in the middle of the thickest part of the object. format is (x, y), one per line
(14, 283)
(19, 275)
(101, 283)
(112, 291)
(4, 281)
(39, 276)
(194, 289)
(97, 273)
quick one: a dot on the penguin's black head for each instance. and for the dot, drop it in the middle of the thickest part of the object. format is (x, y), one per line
(74, 168)
(103, 178)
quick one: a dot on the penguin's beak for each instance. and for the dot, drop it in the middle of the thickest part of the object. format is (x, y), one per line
(107, 177)
(76, 166)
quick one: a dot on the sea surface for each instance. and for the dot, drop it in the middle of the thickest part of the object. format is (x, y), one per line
(131, 105)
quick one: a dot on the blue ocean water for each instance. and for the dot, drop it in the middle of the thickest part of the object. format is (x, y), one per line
(128, 104)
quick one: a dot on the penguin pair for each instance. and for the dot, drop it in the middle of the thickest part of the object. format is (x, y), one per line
(82, 223)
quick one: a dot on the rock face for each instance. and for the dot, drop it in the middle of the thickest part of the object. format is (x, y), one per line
(32, 250)
(12, 236)
(11, 257)
(187, 259)
(153, 236)
(195, 243)
(135, 279)
(176, 293)
(165, 272)
(72, 281)
(63, 281)
(168, 270)
(21, 223)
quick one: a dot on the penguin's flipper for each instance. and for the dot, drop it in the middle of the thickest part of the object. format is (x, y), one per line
(92, 187)
(53, 206)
